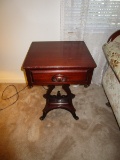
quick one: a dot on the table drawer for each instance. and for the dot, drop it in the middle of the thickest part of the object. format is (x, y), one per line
(59, 76)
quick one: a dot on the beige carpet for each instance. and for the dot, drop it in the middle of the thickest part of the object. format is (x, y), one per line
(95, 136)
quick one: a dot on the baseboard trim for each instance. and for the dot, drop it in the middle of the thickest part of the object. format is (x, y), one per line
(11, 80)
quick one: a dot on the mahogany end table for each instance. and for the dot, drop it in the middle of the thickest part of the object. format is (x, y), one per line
(58, 63)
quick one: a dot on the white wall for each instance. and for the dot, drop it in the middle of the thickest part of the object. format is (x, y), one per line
(21, 22)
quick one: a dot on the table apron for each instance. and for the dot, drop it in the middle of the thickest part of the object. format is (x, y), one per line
(59, 77)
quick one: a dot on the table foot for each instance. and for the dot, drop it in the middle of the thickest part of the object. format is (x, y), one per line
(75, 117)
(86, 85)
(43, 116)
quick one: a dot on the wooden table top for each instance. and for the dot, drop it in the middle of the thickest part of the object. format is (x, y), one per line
(58, 55)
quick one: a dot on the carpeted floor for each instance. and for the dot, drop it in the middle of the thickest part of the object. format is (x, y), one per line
(95, 136)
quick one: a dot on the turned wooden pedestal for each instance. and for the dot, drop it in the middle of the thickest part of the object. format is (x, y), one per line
(59, 101)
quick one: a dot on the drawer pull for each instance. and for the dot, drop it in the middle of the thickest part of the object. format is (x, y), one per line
(59, 78)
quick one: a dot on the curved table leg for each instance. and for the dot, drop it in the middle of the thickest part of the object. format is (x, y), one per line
(50, 88)
(67, 90)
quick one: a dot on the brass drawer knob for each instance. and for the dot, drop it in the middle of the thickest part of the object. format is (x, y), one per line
(59, 78)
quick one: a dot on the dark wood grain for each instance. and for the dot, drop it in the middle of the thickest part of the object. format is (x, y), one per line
(114, 35)
(59, 55)
(45, 60)
(59, 63)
